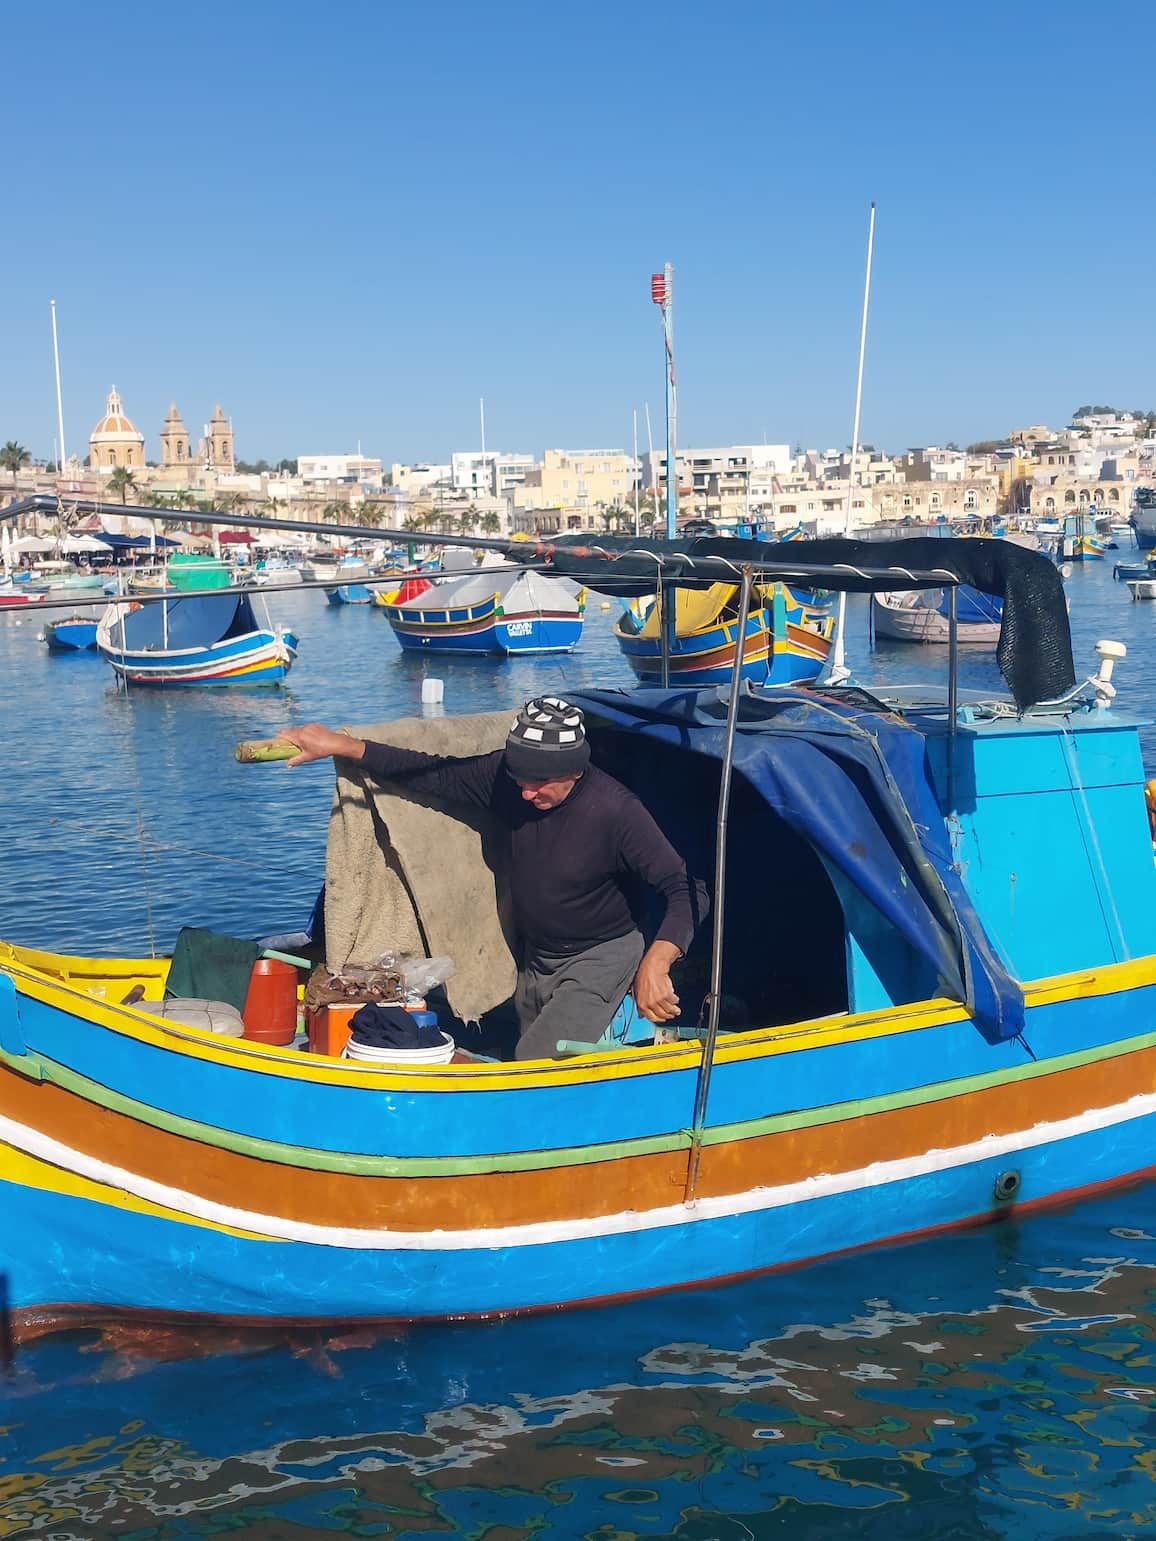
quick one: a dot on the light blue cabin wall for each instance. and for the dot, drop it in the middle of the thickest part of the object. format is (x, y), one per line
(1052, 840)
(882, 968)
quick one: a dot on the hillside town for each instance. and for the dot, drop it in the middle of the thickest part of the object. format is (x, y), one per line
(1095, 461)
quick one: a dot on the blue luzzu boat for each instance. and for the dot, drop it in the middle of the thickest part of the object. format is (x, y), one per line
(788, 636)
(196, 639)
(491, 611)
(76, 634)
(947, 1015)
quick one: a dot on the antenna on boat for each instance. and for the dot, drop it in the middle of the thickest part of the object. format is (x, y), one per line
(59, 398)
(839, 670)
(662, 293)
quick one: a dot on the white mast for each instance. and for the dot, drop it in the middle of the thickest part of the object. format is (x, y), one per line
(650, 448)
(59, 397)
(634, 414)
(482, 416)
(839, 670)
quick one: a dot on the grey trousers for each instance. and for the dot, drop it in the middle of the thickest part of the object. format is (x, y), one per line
(573, 997)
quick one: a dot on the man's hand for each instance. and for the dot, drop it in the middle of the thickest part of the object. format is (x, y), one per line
(317, 742)
(653, 992)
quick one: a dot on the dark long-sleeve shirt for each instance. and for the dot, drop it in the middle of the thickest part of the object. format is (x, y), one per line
(567, 863)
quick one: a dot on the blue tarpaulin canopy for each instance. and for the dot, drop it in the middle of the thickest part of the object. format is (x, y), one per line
(854, 783)
(192, 622)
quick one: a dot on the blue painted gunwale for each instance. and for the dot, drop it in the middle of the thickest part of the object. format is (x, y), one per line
(121, 1257)
(570, 1103)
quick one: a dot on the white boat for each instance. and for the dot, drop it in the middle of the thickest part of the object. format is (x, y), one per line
(1142, 588)
(920, 615)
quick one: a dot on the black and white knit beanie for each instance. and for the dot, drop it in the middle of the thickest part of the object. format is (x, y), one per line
(547, 739)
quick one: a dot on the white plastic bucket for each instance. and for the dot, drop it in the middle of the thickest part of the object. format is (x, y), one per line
(368, 1054)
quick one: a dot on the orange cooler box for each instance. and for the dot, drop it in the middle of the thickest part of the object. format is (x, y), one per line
(329, 1028)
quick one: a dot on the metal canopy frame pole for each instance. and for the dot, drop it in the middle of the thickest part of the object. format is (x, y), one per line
(952, 688)
(706, 1065)
(667, 613)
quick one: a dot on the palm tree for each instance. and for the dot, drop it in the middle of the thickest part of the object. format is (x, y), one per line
(121, 480)
(12, 457)
(491, 524)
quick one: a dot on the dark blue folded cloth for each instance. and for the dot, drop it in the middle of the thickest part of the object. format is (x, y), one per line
(389, 1027)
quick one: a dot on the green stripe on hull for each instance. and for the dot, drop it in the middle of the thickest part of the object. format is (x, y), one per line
(528, 1161)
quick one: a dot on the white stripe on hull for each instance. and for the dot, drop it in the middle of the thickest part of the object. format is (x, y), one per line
(542, 1233)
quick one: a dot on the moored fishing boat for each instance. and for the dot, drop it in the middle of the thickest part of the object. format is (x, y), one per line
(353, 588)
(195, 639)
(916, 615)
(491, 611)
(1080, 540)
(75, 634)
(882, 1069)
(788, 636)
(1143, 518)
(21, 593)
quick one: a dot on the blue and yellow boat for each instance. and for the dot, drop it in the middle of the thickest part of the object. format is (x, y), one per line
(950, 1016)
(788, 636)
(491, 611)
(1080, 540)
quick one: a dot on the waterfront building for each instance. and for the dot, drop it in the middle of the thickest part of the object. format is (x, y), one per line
(351, 470)
(115, 441)
(412, 481)
(493, 473)
(710, 478)
(582, 480)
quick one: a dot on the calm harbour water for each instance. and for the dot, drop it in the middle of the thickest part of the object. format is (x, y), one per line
(993, 1383)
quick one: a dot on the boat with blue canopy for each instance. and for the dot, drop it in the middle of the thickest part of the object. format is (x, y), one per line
(195, 639)
(947, 1015)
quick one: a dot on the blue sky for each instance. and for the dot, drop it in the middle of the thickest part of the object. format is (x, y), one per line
(349, 222)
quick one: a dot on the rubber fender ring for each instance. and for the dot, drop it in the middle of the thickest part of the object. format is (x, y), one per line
(1007, 1186)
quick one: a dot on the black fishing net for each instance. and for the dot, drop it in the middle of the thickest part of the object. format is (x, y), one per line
(1035, 644)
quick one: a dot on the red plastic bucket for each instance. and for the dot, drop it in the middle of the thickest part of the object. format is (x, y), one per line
(270, 1013)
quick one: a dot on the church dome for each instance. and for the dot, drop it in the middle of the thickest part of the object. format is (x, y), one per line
(114, 425)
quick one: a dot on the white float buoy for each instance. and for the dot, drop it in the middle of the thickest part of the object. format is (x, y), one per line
(432, 692)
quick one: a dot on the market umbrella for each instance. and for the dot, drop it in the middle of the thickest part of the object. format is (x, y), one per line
(32, 545)
(78, 543)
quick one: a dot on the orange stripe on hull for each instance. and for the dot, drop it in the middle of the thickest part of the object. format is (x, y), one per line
(608, 1187)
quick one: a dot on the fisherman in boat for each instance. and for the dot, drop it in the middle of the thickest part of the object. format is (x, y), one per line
(575, 832)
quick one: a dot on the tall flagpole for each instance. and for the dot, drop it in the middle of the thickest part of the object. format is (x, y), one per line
(59, 397)
(662, 293)
(482, 416)
(839, 670)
